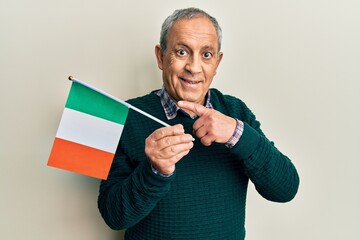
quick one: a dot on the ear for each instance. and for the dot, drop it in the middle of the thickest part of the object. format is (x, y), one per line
(221, 54)
(159, 56)
(219, 58)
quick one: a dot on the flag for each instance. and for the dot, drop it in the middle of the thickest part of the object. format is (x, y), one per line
(89, 132)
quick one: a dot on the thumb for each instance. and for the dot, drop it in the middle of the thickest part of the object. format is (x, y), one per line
(193, 107)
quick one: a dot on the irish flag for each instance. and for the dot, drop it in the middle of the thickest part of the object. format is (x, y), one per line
(89, 132)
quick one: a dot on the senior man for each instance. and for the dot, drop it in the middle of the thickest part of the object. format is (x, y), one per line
(164, 185)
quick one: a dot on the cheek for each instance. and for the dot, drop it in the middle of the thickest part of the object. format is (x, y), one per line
(210, 70)
(175, 64)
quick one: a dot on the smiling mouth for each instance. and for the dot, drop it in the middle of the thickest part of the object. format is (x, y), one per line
(192, 82)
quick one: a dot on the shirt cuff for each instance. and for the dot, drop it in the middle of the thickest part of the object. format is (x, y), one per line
(236, 135)
(157, 172)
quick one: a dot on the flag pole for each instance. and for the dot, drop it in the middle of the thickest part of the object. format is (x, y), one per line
(71, 78)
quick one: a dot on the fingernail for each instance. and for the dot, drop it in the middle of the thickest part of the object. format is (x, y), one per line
(191, 138)
(180, 129)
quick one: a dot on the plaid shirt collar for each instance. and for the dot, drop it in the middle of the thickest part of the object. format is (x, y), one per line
(170, 107)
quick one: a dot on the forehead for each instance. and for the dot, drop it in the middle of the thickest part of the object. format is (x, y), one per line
(198, 30)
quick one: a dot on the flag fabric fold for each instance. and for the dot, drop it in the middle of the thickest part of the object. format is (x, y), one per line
(89, 131)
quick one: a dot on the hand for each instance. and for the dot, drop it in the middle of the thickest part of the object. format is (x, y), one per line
(166, 146)
(212, 126)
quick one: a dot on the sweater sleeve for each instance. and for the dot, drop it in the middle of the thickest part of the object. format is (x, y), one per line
(129, 195)
(273, 174)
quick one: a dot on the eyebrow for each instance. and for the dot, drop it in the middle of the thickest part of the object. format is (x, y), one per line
(207, 47)
(181, 44)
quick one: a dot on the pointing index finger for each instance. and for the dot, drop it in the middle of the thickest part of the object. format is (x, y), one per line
(193, 107)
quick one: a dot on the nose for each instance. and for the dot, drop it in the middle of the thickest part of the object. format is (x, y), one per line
(193, 64)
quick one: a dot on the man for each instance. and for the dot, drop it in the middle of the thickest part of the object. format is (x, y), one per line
(170, 187)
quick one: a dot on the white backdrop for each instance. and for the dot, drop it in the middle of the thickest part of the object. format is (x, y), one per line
(295, 63)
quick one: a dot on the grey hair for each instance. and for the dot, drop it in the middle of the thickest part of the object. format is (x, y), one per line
(187, 13)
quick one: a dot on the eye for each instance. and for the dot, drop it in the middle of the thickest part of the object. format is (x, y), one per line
(207, 55)
(181, 52)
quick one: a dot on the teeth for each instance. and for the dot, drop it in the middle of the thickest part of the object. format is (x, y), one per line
(191, 82)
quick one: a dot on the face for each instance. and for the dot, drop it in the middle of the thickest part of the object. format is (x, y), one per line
(191, 59)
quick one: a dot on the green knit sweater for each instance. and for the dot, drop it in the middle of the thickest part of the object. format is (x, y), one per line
(205, 197)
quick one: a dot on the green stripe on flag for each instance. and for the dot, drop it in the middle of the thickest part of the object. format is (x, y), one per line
(86, 100)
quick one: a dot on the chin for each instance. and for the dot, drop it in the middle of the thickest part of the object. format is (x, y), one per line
(191, 100)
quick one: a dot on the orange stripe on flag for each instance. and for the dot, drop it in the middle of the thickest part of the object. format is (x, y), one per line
(81, 159)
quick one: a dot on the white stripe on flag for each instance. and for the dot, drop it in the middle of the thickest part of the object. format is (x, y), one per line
(88, 130)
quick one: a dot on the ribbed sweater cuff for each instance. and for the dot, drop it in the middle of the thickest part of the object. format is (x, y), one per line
(154, 180)
(247, 143)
